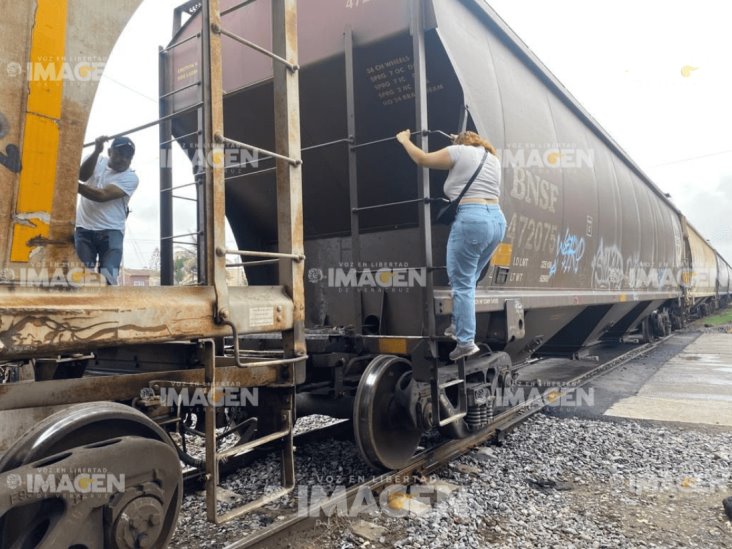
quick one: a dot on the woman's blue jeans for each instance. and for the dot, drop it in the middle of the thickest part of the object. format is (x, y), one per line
(474, 236)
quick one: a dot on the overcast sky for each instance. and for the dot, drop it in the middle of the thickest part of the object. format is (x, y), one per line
(623, 60)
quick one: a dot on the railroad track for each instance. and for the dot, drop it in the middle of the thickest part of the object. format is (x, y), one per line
(432, 459)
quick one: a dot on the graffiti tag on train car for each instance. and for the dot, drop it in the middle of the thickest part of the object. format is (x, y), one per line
(607, 267)
(570, 251)
(11, 158)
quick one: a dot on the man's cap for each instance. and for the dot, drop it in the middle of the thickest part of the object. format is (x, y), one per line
(124, 145)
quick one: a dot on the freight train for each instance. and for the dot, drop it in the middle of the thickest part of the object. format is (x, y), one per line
(347, 296)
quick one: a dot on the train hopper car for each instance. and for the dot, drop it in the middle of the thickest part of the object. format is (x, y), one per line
(594, 249)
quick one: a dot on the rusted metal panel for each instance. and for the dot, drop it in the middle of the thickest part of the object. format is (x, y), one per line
(289, 176)
(53, 64)
(125, 387)
(14, 423)
(213, 141)
(38, 322)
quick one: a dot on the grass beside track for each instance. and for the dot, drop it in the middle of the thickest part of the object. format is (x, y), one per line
(725, 317)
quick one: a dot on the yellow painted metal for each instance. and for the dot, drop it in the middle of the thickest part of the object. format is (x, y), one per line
(41, 128)
(502, 257)
(393, 345)
(703, 266)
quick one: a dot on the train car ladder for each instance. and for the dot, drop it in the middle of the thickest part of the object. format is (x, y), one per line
(289, 208)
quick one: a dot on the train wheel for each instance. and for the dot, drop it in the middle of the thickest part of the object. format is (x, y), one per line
(100, 437)
(384, 435)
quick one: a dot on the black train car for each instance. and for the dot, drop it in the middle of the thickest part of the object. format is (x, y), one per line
(593, 251)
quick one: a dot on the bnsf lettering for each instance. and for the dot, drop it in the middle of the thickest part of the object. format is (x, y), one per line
(534, 190)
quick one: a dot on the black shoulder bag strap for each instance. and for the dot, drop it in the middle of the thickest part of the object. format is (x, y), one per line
(447, 214)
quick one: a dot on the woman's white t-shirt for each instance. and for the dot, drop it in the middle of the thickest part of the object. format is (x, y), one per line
(466, 159)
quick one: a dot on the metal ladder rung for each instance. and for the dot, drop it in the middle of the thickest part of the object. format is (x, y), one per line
(252, 505)
(249, 446)
(260, 49)
(181, 42)
(169, 141)
(269, 255)
(189, 86)
(175, 187)
(293, 161)
(179, 236)
(238, 6)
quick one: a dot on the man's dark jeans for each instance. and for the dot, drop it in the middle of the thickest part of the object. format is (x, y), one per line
(106, 245)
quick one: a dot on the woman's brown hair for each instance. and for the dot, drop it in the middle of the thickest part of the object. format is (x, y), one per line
(474, 140)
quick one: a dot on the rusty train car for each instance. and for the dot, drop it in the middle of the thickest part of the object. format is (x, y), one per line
(347, 294)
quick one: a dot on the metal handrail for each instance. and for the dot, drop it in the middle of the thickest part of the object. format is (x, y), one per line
(304, 149)
(179, 235)
(385, 139)
(175, 187)
(272, 255)
(237, 358)
(238, 6)
(153, 123)
(167, 142)
(180, 42)
(256, 47)
(293, 161)
(425, 200)
(166, 95)
(328, 144)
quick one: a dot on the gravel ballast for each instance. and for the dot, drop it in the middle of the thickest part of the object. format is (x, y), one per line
(555, 483)
(571, 483)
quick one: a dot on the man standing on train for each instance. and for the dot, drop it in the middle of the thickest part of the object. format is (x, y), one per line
(102, 209)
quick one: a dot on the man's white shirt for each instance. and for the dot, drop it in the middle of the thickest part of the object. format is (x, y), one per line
(99, 216)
